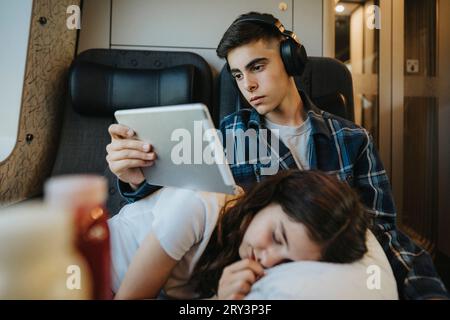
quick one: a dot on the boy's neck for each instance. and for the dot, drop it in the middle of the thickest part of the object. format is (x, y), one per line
(290, 112)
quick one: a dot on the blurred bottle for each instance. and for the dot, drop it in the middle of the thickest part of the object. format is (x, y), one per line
(37, 256)
(85, 197)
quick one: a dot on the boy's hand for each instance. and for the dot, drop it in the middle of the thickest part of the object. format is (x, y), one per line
(237, 279)
(126, 155)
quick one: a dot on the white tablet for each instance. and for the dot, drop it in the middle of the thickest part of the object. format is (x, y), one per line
(189, 151)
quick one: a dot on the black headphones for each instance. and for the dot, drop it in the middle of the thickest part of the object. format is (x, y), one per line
(292, 52)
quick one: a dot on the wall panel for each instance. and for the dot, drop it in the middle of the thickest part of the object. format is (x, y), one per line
(51, 49)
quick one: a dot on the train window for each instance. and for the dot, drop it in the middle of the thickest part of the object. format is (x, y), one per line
(15, 18)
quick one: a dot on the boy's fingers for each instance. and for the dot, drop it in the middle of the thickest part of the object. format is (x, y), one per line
(119, 131)
(121, 165)
(131, 154)
(119, 145)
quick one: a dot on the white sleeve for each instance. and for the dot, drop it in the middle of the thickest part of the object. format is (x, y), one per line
(179, 221)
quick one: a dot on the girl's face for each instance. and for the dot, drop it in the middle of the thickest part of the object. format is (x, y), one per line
(272, 238)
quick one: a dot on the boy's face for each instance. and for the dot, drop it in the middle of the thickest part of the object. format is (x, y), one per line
(260, 74)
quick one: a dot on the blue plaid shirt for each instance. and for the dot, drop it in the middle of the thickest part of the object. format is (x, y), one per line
(338, 147)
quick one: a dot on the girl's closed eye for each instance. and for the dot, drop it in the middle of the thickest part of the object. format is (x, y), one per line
(276, 239)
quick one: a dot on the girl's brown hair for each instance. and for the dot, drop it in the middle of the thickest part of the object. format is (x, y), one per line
(329, 209)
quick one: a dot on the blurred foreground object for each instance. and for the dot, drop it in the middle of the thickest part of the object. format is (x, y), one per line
(37, 256)
(85, 197)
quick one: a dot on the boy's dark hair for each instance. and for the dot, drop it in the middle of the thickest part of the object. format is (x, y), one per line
(329, 208)
(241, 33)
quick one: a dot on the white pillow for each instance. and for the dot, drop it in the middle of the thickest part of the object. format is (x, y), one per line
(307, 280)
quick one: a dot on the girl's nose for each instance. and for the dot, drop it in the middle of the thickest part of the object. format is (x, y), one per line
(269, 258)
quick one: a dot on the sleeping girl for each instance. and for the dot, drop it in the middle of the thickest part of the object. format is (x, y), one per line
(184, 244)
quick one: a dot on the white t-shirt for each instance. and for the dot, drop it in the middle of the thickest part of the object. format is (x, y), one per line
(296, 139)
(182, 221)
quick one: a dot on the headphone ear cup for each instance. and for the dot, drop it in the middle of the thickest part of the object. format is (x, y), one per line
(294, 57)
(301, 58)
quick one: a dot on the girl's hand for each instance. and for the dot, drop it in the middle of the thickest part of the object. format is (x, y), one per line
(237, 279)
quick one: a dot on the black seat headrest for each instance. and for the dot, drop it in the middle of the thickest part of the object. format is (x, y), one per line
(99, 90)
(335, 103)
